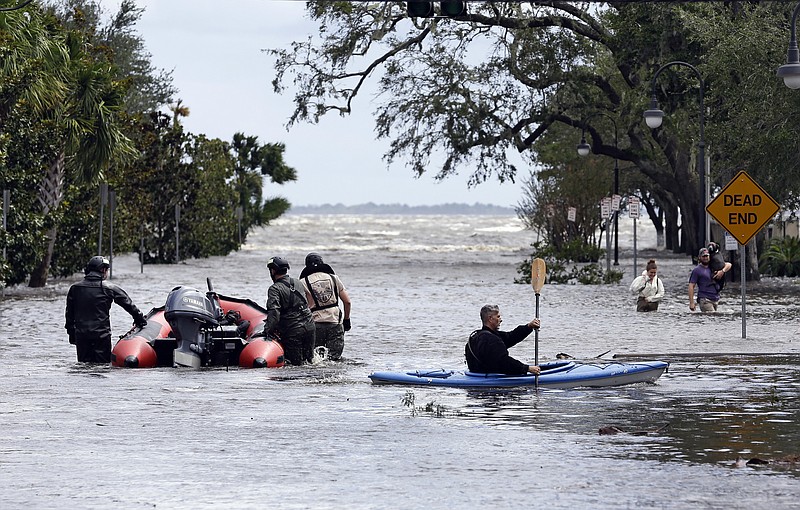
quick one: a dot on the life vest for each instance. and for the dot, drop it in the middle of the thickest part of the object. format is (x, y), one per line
(324, 292)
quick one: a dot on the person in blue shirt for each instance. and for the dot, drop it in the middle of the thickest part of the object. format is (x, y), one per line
(704, 279)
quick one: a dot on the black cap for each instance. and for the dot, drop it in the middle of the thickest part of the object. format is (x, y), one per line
(313, 259)
(96, 264)
(278, 263)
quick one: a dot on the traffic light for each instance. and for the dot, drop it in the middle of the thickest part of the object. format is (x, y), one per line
(452, 8)
(447, 8)
(419, 9)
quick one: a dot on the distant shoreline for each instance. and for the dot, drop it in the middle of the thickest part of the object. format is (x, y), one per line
(371, 208)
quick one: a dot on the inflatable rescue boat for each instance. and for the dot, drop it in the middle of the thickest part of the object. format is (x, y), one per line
(196, 329)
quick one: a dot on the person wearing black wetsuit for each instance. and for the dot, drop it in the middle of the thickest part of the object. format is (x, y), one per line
(88, 319)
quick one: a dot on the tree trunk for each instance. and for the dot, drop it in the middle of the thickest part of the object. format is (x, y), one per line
(751, 261)
(39, 275)
(51, 192)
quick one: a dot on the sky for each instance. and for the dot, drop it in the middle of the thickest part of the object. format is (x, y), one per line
(214, 50)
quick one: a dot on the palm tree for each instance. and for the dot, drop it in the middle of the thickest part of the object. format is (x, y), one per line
(179, 110)
(90, 135)
(31, 63)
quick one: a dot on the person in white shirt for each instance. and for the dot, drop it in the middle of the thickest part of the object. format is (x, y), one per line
(648, 288)
(324, 292)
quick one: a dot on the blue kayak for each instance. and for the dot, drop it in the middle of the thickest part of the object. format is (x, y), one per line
(556, 374)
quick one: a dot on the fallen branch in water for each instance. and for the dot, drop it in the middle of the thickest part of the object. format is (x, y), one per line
(613, 429)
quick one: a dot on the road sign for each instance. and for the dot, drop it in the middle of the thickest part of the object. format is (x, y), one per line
(742, 208)
(615, 201)
(633, 207)
(730, 242)
(605, 208)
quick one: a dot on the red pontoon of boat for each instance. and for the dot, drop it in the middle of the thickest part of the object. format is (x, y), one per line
(196, 329)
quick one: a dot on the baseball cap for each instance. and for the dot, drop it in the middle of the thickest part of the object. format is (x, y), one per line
(703, 251)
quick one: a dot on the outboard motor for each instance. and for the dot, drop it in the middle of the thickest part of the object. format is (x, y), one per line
(190, 314)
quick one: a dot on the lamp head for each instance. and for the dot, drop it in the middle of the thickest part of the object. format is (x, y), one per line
(790, 71)
(584, 148)
(791, 75)
(653, 117)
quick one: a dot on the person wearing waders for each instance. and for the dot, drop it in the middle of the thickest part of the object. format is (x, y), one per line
(288, 316)
(324, 292)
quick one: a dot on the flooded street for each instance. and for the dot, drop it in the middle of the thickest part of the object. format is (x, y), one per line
(322, 436)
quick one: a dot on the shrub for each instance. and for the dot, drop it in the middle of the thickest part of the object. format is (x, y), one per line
(556, 262)
(782, 257)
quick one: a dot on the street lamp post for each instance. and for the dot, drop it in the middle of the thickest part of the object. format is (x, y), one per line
(654, 116)
(583, 150)
(790, 71)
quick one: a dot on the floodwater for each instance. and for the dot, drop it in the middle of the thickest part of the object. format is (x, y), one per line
(322, 436)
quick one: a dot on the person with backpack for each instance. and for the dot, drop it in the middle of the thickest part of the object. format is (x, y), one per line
(324, 293)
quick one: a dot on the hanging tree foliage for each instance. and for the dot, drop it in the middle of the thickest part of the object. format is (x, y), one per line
(473, 89)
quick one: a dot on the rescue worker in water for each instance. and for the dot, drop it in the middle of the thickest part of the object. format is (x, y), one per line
(324, 292)
(288, 316)
(88, 321)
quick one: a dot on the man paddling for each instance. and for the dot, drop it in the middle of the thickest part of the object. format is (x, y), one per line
(487, 348)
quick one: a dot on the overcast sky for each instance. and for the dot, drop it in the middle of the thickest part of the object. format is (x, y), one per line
(214, 50)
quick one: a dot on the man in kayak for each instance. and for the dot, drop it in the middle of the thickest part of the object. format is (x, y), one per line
(288, 314)
(487, 348)
(324, 292)
(88, 304)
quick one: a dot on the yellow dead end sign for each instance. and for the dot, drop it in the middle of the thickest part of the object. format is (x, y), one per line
(742, 207)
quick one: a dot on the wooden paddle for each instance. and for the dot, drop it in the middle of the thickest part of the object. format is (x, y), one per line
(538, 275)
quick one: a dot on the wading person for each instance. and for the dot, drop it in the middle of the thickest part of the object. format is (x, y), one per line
(288, 314)
(487, 348)
(648, 288)
(324, 292)
(88, 305)
(704, 279)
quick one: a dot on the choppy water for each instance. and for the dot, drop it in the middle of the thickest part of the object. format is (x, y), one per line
(322, 436)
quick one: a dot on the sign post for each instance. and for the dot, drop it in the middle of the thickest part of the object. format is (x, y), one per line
(103, 202)
(605, 213)
(743, 208)
(633, 212)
